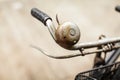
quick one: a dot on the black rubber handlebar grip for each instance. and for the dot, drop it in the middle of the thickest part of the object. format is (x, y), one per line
(43, 17)
(117, 8)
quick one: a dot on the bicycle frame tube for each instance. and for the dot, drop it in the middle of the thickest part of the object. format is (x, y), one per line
(113, 56)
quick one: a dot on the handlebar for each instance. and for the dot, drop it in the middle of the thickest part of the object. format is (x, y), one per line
(43, 17)
(47, 21)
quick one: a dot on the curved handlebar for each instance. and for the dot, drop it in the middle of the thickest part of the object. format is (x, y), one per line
(43, 17)
(47, 21)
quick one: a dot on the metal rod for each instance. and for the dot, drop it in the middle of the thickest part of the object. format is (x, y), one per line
(74, 54)
(95, 43)
(51, 28)
(113, 56)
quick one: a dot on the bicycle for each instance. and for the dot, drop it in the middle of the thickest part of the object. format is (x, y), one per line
(68, 34)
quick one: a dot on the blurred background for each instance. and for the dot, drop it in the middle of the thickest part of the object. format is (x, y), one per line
(18, 30)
